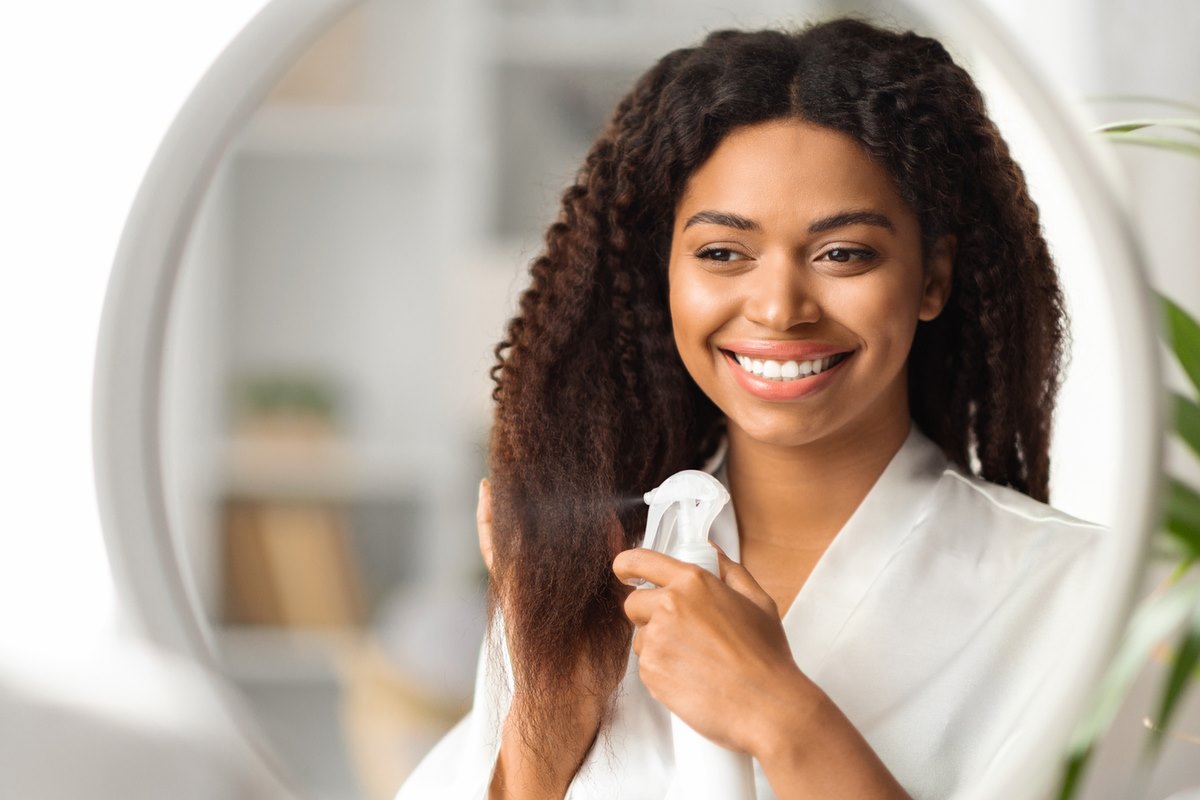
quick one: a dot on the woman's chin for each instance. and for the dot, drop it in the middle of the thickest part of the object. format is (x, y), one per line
(777, 432)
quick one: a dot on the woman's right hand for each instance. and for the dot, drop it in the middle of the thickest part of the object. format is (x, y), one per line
(519, 773)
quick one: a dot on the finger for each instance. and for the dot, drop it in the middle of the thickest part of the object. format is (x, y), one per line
(739, 579)
(640, 564)
(641, 605)
(483, 522)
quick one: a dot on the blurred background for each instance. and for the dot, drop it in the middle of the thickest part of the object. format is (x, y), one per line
(325, 393)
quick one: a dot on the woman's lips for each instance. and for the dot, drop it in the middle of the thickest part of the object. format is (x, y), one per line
(784, 351)
(781, 390)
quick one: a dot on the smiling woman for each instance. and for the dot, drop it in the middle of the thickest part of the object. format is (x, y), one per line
(816, 247)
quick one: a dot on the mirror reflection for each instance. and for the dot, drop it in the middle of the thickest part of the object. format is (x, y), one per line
(326, 391)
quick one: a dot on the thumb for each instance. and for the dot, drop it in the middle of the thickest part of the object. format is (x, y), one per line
(739, 579)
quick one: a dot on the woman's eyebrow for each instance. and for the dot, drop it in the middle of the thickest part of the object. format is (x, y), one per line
(839, 220)
(725, 218)
(855, 217)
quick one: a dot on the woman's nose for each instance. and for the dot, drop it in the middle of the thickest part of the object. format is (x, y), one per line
(780, 295)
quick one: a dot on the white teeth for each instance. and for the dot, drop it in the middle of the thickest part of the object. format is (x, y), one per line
(786, 370)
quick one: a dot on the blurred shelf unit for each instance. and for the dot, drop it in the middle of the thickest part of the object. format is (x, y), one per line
(330, 470)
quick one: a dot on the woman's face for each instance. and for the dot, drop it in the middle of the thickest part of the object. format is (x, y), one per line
(796, 284)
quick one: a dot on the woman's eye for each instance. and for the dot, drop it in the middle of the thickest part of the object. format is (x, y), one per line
(844, 255)
(719, 254)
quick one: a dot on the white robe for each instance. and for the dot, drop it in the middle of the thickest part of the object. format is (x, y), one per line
(931, 620)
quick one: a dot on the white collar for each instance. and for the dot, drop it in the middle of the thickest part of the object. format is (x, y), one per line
(892, 508)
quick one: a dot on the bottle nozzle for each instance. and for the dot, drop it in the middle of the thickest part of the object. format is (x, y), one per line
(682, 510)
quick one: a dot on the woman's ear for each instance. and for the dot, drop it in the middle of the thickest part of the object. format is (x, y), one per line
(939, 275)
(483, 522)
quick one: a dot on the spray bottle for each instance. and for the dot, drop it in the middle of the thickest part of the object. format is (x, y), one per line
(682, 510)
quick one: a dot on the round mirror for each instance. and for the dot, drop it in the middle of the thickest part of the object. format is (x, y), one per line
(292, 392)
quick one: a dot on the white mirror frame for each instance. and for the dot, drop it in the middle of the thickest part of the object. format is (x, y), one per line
(129, 359)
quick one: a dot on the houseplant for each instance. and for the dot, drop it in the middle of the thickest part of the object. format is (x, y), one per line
(1171, 613)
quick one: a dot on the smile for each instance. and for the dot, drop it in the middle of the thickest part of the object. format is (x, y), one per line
(786, 371)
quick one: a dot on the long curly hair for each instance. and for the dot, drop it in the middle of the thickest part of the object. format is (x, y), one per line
(592, 402)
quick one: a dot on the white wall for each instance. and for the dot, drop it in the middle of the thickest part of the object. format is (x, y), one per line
(89, 91)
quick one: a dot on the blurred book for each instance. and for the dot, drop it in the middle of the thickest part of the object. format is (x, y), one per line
(290, 563)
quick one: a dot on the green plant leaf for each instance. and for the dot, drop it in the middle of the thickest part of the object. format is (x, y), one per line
(1183, 515)
(1187, 421)
(1165, 549)
(1187, 148)
(1187, 656)
(1151, 623)
(1176, 123)
(1073, 774)
(1181, 569)
(1183, 335)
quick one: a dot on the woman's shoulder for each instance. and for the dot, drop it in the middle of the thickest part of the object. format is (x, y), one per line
(980, 519)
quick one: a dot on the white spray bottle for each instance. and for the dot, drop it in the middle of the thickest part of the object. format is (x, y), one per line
(682, 510)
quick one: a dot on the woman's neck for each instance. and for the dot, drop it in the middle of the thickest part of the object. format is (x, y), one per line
(797, 498)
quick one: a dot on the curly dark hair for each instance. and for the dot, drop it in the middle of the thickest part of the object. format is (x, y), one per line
(592, 401)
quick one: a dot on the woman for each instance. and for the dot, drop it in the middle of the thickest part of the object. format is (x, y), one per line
(807, 261)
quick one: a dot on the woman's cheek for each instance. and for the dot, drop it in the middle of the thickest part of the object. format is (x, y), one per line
(695, 316)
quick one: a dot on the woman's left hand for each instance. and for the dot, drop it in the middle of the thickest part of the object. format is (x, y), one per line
(713, 650)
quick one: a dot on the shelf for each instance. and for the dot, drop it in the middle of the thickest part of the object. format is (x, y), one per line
(327, 469)
(336, 131)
